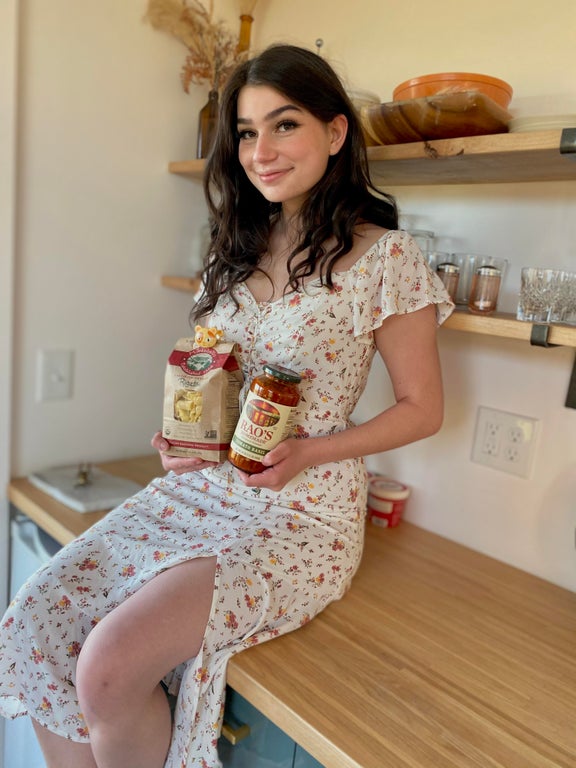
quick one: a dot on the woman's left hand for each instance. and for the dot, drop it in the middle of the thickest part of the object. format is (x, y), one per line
(283, 463)
(177, 464)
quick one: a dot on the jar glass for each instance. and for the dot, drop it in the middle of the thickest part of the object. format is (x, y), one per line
(449, 273)
(264, 420)
(484, 290)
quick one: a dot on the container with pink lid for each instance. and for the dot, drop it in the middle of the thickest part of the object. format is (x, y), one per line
(386, 501)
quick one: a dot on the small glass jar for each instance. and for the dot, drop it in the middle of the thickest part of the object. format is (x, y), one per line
(449, 273)
(484, 290)
(265, 416)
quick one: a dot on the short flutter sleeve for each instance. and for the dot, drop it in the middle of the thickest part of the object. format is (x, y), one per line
(393, 278)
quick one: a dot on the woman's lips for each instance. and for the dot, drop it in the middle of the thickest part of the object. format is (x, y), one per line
(268, 177)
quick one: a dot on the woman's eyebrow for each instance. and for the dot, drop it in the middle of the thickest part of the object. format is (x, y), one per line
(271, 115)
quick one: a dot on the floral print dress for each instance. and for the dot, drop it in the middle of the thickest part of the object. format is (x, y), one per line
(281, 557)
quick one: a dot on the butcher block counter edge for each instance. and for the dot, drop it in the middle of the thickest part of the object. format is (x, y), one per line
(437, 657)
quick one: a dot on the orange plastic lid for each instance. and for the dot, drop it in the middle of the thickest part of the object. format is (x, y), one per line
(448, 76)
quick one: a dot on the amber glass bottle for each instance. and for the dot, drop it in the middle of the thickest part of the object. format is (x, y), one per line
(262, 425)
(207, 124)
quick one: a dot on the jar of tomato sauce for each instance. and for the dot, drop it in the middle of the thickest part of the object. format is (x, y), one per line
(263, 422)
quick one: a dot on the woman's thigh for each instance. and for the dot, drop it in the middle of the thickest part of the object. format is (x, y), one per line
(150, 633)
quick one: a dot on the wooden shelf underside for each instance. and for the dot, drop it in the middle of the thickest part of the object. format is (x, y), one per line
(498, 158)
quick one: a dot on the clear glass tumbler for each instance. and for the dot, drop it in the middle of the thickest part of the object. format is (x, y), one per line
(563, 309)
(540, 291)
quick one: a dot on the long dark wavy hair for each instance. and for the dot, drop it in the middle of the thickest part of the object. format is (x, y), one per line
(240, 216)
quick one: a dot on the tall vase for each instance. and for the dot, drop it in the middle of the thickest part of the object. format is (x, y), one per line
(207, 122)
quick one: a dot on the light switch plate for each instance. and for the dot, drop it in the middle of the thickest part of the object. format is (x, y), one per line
(54, 374)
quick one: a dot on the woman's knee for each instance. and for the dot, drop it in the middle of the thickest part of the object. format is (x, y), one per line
(161, 625)
(101, 676)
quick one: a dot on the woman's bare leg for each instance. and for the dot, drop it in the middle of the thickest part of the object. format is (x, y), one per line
(63, 753)
(129, 652)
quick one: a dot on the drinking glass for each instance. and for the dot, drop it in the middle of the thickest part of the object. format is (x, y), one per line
(466, 262)
(563, 309)
(437, 257)
(425, 240)
(569, 310)
(540, 291)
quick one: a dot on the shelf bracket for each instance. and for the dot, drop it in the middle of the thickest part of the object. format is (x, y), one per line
(568, 142)
(571, 394)
(539, 336)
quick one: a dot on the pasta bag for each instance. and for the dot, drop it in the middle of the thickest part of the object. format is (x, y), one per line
(201, 396)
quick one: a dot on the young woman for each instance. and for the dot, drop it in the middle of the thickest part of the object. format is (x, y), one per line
(307, 270)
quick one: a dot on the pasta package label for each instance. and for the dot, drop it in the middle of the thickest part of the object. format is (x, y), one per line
(201, 407)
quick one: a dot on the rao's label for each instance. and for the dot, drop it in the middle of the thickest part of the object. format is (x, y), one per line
(261, 427)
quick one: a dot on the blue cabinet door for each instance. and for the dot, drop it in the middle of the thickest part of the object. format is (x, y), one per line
(303, 760)
(265, 747)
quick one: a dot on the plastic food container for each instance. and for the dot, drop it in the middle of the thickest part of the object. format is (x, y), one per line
(386, 501)
(454, 82)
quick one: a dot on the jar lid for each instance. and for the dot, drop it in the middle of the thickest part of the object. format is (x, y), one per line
(284, 374)
(449, 267)
(384, 488)
(488, 269)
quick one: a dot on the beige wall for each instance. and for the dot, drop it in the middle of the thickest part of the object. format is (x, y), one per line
(100, 219)
(376, 45)
(8, 55)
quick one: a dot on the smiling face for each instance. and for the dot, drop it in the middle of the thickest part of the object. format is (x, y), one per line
(283, 148)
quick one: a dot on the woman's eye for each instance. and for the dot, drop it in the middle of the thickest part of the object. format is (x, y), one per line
(246, 134)
(286, 125)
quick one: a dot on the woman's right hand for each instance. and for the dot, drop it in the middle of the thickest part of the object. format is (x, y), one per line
(178, 464)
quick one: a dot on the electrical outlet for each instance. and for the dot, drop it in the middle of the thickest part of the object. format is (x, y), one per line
(505, 441)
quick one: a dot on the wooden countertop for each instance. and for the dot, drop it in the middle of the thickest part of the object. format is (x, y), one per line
(63, 523)
(438, 656)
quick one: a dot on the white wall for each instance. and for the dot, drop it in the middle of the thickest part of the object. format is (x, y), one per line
(100, 219)
(527, 522)
(377, 45)
(8, 51)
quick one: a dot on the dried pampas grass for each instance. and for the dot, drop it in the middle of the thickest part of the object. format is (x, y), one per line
(212, 48)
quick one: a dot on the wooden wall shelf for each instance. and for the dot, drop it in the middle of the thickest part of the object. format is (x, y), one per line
(181, 283)
(506, 326)
(499, 158)
(193, 169)
(499, 324)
